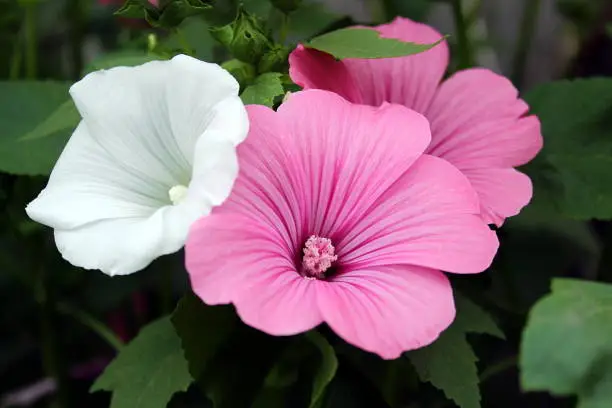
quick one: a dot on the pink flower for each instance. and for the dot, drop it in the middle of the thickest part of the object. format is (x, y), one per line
(337, 216)
(477, 121)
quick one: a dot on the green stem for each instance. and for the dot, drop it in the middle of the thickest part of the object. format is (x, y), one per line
(17, 57)
(31, 39)
(52, 359)
(92, 323)
(284, 29)
(75, 14)
(498, 367)
(466, 53)
(531, 10)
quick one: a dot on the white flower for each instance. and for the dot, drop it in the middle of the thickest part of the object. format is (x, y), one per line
(155, 151)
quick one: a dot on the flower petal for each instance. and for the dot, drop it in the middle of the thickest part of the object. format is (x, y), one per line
(347, 154)
(87, 184)
(157, 111)
(478, 121)
(388, 310)
(411, 81)
(314, 69)
(232, 258)
(215, 166)
(126, 245)
(427, 218)
(503, 192)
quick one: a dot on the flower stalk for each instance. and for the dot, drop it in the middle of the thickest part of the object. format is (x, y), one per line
(466, 52)
(531, 10)
(31, 39)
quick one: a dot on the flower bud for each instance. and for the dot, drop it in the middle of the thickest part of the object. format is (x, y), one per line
(249, 42)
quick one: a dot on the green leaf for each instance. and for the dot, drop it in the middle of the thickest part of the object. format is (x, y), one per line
(132, 9)
(572, 175)
(250, 353)
(148, 371)
(365, 43)
(264, 90)
(192, 37)
(301, 373)
(119, 59)
(202, 329)
(566, 347)
(64, 118)
(23, 106)
(450, 363)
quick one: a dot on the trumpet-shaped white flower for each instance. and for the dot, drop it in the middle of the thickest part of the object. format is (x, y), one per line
(155, 150)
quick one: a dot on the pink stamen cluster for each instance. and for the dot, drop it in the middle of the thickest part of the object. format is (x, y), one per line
(319, 254)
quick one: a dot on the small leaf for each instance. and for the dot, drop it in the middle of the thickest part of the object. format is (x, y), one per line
(264, 90)
(148, 371)
(65, 118)
(23, 106)
(450, 363)
(365, 43)
(566, 347)
(132, 9)
(202, 329)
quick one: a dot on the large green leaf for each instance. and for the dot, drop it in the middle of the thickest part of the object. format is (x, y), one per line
(450, 363)
(64, 119)
(573, 173)
(148, 371)
(23, 106)
(202, 330)
(566, 346)
(243, 364)
(264, 90)
(365, 43)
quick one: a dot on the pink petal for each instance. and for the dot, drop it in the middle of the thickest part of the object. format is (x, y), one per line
(269, 188)
(279, 302)
(347, 155)
(503, 192)
(222, 248)
(313, 69)
(427, 218)
(478, 121)
(231, 258)
(411, 81)
(388, 310)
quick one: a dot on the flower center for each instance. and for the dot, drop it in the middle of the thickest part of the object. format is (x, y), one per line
(177, 193)
(319, 254)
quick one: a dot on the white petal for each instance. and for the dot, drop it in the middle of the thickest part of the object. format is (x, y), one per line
(156, 112)
(87, 184)
(126, 245)
(216, 164)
